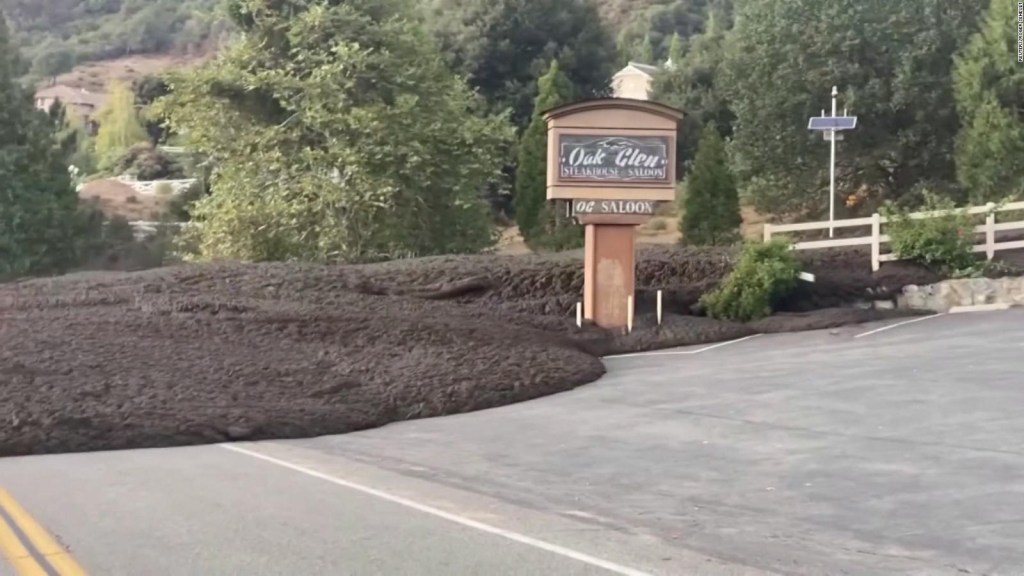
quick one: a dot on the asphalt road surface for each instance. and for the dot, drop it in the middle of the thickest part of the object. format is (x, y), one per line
(895, 448)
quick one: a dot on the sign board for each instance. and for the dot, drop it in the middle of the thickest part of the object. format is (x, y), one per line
(641, 207)
(584, 157)
(612, 149)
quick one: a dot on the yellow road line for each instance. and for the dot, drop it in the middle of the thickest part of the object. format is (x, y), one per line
(16, 554)
(43, 542)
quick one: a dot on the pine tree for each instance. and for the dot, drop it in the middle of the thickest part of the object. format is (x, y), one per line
(989, 89)
(647, 50)
(39, 211)
(675, 51)
(711, 207)
(553, 89)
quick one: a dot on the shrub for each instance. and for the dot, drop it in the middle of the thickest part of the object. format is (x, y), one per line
(765, 273)
(943, 243)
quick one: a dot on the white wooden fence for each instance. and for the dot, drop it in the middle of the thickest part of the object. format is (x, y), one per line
(876, 238)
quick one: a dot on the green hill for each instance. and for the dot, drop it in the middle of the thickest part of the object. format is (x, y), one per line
(55, 35)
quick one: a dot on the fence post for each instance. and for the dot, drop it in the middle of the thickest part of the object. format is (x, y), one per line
(876, 241)
(990, 231)
(767, 231)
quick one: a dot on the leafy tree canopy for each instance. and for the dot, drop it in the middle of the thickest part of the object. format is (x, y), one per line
(337, 133)
(989, 86)
(892, 62)
(39, 212)
(503, 46)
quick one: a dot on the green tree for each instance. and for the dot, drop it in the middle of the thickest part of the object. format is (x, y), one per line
(39, 210)
(656, 25)
(120, 127)
(694, 84)
(533, 219)
(989, 86)
(336, 133)
(675, 51)
(505, 45)
(711, 204)
(892, 62)
(646, 54)
(53, 61)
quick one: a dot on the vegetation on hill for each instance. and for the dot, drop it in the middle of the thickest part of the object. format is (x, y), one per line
(56, 34)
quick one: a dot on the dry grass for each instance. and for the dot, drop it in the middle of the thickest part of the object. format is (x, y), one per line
(119, 199)
(662, 229)
(96, 76)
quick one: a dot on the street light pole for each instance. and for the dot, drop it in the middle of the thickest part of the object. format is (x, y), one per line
(832, 172)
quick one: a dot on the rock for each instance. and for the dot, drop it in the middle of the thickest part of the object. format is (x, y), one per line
(239, 432)
(884, 305)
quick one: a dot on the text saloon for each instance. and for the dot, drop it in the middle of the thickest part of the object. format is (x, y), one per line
(614, 158)
(641, 207)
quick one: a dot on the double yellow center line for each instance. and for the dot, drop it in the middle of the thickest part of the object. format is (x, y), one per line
(28, 547)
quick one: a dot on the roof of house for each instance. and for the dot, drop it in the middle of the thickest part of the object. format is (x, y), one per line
(639, 67)
(70, 95)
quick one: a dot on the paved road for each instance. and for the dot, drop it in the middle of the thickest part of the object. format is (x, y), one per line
(898, 452)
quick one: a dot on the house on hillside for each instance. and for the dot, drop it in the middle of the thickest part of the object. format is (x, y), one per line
(634, 81)
(81, 103)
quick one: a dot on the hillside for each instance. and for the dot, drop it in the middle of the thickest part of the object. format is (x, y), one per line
(55, 35)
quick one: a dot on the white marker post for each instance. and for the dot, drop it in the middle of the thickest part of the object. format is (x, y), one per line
(659, 307)
(629, 314)
(579, 314)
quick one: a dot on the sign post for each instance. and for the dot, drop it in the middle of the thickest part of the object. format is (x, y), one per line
(614, 159)
(831, 127)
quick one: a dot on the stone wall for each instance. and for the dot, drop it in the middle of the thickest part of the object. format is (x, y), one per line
(943, 296)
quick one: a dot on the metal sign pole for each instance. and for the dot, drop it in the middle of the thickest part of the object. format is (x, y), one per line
(832, 172)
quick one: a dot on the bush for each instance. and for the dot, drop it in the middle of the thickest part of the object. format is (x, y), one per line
(148, 163)
(764, 274)
(943, 243)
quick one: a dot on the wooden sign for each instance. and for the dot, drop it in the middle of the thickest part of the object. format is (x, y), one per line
(612, 149)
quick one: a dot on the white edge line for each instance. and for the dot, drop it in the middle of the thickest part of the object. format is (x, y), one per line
(980, 308)
(898, 324)
(515, 536)
(684, 352)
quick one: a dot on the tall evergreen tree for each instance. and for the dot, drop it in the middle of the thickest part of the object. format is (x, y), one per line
(989, 87)
(38, 206)
(711, 205)
(646, 55)
(554, 89)
(675, 51)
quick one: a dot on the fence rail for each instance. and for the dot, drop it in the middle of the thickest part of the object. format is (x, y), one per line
(876, 239)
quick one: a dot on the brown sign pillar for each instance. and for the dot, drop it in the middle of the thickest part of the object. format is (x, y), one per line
(614, 160)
